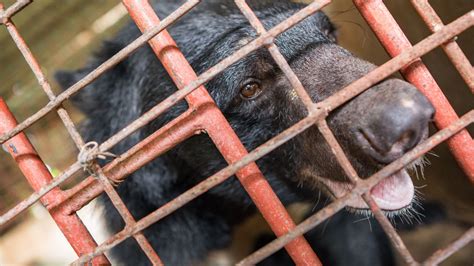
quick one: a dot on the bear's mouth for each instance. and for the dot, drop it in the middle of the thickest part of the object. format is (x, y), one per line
(393, 193)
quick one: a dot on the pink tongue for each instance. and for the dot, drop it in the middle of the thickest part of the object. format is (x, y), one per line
(394, 192)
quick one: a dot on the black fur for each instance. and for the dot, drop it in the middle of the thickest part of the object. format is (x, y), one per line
(206, 35)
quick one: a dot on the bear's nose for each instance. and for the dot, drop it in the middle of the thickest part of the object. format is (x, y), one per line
(400, 122)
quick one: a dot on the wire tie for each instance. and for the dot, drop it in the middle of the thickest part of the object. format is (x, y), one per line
(89, 152)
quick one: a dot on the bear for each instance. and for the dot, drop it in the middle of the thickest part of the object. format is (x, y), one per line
(374, 129)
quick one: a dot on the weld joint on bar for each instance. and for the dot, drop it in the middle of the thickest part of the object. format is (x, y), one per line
(269, 41)
(319, 109)
(5, 15)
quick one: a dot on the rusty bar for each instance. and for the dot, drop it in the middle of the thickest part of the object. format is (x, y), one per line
(259, 189)
(336, 149)
(180, 94)
(221, 133)
(451, 48)
(43, 82)
(154, 111)
(209, 74)
(354, 178)
(264, 149)
(330, 103)
(121, 55)
(146, 150)
(32, 62)
(166, 50)
(87, 193)
(395, 42)
(202, 187)
(456, 245)
(30, 59)
(276, 54)
(396, 63)
(12, 10)
(389, 230)
(38, 175)
(455, 26)
(291, 76)
(375, 77)
(363, 187)
(37, 195)
(126, 215)
(148, 249)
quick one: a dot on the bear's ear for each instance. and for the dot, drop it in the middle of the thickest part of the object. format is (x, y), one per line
(66, 79)
(84, 99)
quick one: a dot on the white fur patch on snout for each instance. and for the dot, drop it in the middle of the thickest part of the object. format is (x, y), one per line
(408, 103)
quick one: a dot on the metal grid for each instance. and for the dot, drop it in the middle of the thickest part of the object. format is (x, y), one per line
(203, 115)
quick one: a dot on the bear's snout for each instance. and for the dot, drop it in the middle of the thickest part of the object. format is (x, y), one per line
(395, 121)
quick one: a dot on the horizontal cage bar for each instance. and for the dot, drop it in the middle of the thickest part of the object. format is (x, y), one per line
(204, 116)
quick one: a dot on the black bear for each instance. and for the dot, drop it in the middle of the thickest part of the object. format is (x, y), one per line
(374, 129)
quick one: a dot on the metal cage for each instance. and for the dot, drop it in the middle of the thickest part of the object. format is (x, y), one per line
(204, 116)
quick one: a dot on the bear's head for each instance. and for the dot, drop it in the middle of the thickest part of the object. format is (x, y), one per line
(374, 129)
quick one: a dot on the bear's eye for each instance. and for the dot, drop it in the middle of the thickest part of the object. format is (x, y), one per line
(250, 90)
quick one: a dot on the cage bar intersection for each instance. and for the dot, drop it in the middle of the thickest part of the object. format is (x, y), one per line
(204, 116)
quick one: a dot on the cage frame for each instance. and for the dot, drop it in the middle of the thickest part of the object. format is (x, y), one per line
(204, 116)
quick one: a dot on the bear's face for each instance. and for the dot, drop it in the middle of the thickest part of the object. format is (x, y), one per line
(374, 129)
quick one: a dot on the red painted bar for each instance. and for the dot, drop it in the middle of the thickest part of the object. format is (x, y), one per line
(221, 133)
(395, 42)
(38, 175)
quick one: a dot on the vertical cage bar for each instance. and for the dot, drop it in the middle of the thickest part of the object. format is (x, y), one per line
(362, 187)
(43, 82)
(63, 210)
(355, 179)
(38, 175)
(452, 49)
(395, 42)
(93, 75)
(126, 215)
(217, 127)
